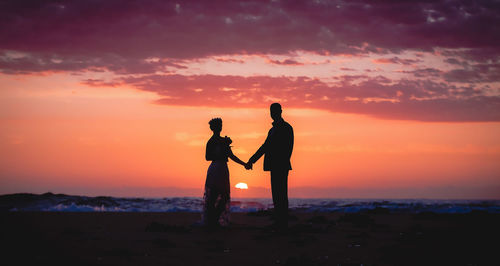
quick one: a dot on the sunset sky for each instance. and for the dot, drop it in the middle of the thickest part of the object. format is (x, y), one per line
(388, 99)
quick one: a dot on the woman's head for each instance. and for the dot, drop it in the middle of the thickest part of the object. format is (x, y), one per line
(216, 125)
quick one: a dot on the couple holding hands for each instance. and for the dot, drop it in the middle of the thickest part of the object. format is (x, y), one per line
(277, 150)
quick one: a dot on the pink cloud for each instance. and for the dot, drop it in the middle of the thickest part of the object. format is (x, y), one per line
(290, 62)
(396, 60)
(421, 100)
(229, 60)
(134, 37)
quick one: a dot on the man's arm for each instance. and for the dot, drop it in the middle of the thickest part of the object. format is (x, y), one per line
(291, 142)
(258, 154)
(260, 151)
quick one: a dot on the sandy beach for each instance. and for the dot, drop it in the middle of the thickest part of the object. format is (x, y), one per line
(370, 238)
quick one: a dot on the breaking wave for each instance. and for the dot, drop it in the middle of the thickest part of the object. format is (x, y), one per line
(68, 203)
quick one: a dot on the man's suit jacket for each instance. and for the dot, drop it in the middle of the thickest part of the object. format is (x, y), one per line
(277, 148)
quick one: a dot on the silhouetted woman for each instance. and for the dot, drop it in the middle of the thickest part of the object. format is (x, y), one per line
(216, 197)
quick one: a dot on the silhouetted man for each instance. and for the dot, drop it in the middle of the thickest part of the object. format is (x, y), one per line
(277, 150)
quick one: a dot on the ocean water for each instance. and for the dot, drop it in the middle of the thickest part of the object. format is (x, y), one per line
(67, 203)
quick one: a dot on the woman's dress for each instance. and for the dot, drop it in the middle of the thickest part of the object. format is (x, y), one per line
(216, 198)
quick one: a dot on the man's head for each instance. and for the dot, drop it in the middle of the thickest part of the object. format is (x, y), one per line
(275, 111)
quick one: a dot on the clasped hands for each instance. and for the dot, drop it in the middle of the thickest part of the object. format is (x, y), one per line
(248, 165)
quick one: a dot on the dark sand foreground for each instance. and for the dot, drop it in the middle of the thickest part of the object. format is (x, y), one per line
(376, 238)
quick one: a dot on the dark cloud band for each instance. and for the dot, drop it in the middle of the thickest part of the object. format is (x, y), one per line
(150, 36)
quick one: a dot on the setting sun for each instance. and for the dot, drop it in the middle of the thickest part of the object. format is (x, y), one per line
(242, 186)
(414, 101)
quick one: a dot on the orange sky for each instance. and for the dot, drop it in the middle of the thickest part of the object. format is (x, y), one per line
(397, 99)
(62, 136)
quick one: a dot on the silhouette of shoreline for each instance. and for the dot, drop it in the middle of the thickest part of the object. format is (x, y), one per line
(71, 203)
(435, 192)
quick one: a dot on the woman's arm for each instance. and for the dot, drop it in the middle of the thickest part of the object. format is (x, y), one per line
(209, 152)
(234, 158)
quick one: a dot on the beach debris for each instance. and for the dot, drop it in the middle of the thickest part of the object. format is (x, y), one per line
(354, 245)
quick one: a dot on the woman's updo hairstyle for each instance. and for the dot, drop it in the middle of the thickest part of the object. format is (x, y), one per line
(215, 124)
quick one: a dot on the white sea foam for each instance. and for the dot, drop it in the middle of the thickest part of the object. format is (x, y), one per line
(67, 203)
